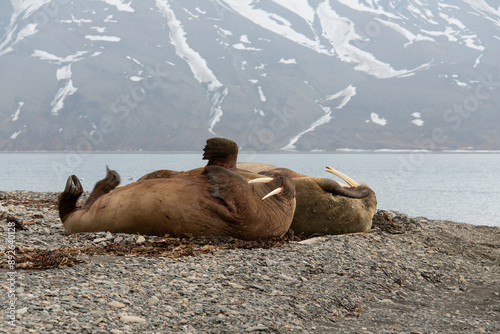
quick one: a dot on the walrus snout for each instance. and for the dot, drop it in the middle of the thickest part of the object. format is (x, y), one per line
(276, 191)
(284, 184)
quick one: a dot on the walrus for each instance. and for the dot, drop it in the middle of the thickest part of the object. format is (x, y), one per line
(212, 200)
(323, 205)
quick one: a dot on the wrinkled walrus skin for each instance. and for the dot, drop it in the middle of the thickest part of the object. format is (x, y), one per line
(219, 202)
(319, 211)
(213, 200)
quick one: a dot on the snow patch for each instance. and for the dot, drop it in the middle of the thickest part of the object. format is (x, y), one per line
(375, 118)
(299, 7)
(347, 93)
(322, 120)
(273, 23)
(411, 37)
(260, 112)
(261, 94)
(244, 39)
(215, 90)
(135, 61)
(109, 19)
(75, 20)
(15, 134)
(418, 119)
(21, 11)
(478, 59)
(373, 9)
(288, 61)
(18, 112)
(63, 74)
(243, 47)
(340, 32)
(100, 30)
(103, 38)
(120, 5)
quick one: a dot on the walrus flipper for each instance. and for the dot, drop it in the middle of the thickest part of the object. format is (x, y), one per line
(69, 197)
(229, 187)
(335, 188)
(105, 185)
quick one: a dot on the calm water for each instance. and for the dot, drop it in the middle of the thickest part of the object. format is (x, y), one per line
(463, 187)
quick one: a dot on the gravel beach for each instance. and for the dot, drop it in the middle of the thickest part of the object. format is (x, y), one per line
(407, 275)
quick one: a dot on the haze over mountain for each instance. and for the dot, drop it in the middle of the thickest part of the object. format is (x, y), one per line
(271, 75)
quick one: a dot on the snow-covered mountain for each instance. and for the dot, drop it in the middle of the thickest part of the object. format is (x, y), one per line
(281, 74)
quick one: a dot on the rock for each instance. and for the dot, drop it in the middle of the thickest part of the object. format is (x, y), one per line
(132, 318)
(153, 300)
(257, 328)
(236, 285)
(98, 240)
(22, 310)
(109, 236)
(116, 304)
(140, 240)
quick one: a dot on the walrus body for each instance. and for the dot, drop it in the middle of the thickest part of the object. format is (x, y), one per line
(214, 200)
(318, 210)
(219, 202)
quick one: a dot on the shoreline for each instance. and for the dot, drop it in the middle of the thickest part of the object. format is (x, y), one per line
(408, 274)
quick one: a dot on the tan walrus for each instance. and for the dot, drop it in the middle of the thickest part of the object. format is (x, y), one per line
(214, 200)
(323, 205)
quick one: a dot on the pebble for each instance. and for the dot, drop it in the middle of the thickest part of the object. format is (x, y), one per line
(98, 240)
(140, 240)
(132, 318)
(153, 300)
(116, 304)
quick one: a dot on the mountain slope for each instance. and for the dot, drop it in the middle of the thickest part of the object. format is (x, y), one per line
(304, 75)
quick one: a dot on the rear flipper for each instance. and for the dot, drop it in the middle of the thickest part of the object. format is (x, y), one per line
(337, 189)
(104, 186)
(69, 197)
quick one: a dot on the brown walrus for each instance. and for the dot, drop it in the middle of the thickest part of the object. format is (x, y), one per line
(323, 208)
(214, 200)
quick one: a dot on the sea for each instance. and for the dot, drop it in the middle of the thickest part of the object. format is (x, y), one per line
(462, 187)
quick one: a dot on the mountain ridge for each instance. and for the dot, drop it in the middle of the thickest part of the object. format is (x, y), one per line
(275, 75)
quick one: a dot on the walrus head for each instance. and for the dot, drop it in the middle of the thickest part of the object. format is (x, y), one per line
(262, 208)
(279, 183)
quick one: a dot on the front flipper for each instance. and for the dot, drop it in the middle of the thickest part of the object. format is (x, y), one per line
(69, 197)
(231, 188)
(104, 186)
(335, 188)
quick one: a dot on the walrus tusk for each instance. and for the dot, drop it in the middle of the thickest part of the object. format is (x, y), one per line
(266, 180)
(261, 180)
(272, 193)
(344, 177)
